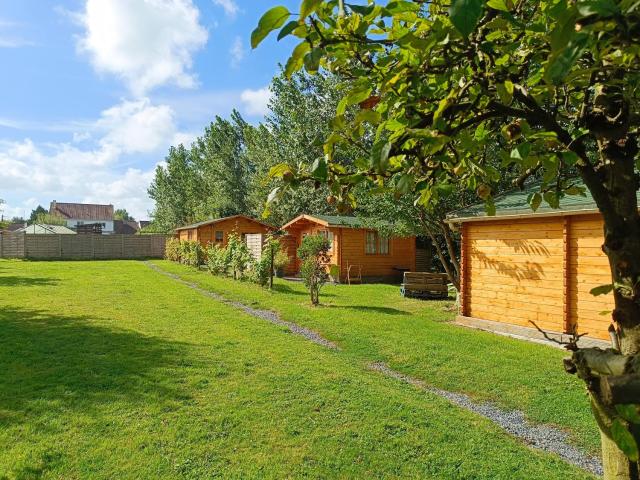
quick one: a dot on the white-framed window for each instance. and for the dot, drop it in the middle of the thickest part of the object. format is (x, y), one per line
(329, 236)
(375, 244)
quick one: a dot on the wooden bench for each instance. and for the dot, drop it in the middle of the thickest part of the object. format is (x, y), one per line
(425, 285)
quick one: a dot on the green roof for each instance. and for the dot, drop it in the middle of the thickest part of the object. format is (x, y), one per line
(515, 203)
(339, 220)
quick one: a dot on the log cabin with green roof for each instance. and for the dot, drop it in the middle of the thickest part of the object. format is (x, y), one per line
(520, 266)
(357, 253)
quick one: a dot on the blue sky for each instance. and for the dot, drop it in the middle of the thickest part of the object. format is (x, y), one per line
(93, 92)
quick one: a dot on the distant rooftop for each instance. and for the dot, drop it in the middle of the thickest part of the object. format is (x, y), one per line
(81, 211)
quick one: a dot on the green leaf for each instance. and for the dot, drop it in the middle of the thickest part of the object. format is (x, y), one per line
(535, 201)
(603, 8)
(287, 29)
(624, 439)
(601, 290)
(278, 170)
(367, 115)
(380, 155)
(361, 9)
(312, 60)
(296, 60)
(319, 169)
(404, 183)
(505, 92)
(498, 5)
(308, 7)
(561, 62)
(465, 14)
(630, 412)
(272, 19)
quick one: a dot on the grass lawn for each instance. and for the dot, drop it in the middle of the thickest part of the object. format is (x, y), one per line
(111, 370)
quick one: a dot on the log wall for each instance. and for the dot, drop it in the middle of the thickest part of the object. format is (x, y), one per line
(539, 270)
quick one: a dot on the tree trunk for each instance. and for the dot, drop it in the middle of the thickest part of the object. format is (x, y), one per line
(614, 185)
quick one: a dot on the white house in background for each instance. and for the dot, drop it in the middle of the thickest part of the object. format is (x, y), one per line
(76, 214)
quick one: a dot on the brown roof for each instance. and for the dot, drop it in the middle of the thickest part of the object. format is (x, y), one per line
(216, 220)
(82, 211)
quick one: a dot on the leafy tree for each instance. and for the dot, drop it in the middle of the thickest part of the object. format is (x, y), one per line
(49, 219)
(226, 172)
(314, 253)
(177, 189)
(39, 210)
(301, 108)
(122, 214)
(18, 220)
(553, 85)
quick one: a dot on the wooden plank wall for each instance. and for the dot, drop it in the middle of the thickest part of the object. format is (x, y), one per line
(402, 254)
(588, 268)
(515, 272)
(82, 247)
(539, 270)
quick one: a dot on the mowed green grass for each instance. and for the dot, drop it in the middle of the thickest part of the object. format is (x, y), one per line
(374, 323)
(111, 370)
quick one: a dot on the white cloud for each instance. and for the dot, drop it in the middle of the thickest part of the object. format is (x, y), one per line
(11, 40)
(230, 7)
(147, 43)
(237, 52)
(136, 126)
(256, 102)
(95, 173)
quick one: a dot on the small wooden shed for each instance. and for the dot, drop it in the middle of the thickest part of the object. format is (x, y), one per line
(217, 230)
(365, 251)
(520, 266)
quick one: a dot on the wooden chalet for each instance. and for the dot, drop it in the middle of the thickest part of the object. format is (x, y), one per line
(521, 266)
(217, 231)
(356, 252)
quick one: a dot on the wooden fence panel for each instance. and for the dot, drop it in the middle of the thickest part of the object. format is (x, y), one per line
(81, 247)
(12, 245)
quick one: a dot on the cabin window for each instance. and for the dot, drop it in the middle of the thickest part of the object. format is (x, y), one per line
(189, 234)
(375, 244)
(384, 245)
(219, 236)
(329, 236)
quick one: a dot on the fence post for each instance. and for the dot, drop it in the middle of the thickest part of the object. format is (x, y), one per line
(122, 245)
(93, 247)
(59, 246)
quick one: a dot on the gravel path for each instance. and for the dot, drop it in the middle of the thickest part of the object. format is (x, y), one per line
(542, 437)
(267, 315)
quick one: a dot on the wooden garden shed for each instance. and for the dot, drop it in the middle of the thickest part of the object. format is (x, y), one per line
(363, 250)
(218, 230)
(520, 266)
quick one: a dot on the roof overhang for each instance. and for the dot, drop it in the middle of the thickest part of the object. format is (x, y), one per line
(523, 215)
(218, 220)
(308, 218)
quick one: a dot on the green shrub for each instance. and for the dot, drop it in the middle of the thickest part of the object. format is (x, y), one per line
(314, 253)
(238, 256)
(191, 253)
(172, 250)
(217, 260)
(261, 271)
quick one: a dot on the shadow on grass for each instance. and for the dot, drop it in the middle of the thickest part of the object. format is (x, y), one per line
(280, 288)
(371, 309)
(14, 281)
(56, 364)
